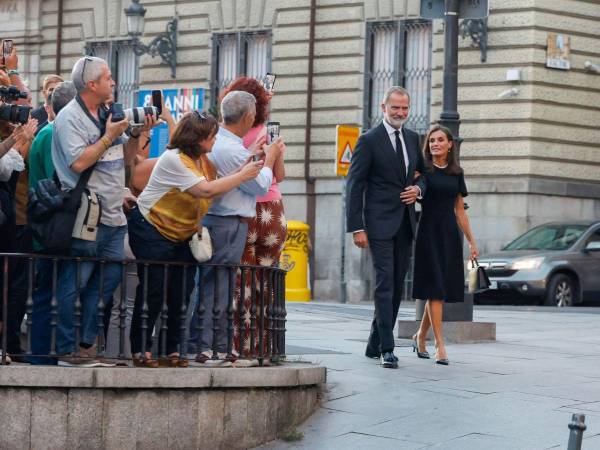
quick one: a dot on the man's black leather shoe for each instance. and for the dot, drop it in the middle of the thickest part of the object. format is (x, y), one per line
(371, 353)
(389, 361)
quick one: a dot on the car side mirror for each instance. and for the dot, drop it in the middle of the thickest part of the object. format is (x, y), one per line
(593, 246)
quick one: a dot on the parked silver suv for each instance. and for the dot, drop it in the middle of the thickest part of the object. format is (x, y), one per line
(557, 263)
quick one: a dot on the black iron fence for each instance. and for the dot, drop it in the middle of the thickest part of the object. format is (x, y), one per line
(243, 315)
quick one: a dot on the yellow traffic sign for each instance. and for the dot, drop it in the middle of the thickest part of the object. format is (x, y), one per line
(345, 141)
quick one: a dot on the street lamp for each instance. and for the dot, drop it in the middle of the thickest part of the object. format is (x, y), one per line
(164, 45)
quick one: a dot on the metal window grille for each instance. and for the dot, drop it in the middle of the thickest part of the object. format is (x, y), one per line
(236, 54)
(398, 53)
(124, 67)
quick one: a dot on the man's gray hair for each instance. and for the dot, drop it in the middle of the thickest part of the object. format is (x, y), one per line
(63, 94)
(395, 90)
(235, 104)
(88, 68)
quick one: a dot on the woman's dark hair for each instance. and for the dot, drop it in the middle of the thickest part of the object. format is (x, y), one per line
(191, 129)
(253, 87)
(453, 166)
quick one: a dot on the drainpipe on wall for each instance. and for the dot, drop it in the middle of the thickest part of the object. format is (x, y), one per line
(59, 37)
(311, 200)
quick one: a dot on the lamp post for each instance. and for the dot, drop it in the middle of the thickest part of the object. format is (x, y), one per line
(460, 315)
(449, 116)
(164, 45)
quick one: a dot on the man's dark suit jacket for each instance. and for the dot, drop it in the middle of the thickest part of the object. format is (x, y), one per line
(375, 181)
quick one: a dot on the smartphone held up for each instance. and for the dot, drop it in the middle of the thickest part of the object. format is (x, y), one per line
(269, 81)
(272, 132)
(157, 100)
(7, 47)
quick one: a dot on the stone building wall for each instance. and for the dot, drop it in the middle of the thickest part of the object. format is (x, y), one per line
(528, 159)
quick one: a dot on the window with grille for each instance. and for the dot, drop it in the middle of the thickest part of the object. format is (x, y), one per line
(398, 53)
(236, 54)
(123, 64)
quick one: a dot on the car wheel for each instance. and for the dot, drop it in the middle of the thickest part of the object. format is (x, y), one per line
(561, 291)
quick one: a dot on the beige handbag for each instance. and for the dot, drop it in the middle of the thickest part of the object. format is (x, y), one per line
(201, 245)
(478, 278)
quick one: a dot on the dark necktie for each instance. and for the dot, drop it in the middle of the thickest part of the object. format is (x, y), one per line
(400, 151)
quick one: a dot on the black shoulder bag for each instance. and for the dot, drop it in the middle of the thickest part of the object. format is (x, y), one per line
(52, 212)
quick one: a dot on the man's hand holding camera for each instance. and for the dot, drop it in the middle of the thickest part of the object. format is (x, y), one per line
(114, 130)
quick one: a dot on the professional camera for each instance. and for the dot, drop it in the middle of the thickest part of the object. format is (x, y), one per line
(15, 113)
(135, 116)
(11, 93)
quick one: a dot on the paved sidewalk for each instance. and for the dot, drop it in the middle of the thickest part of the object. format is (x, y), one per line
(515, 394)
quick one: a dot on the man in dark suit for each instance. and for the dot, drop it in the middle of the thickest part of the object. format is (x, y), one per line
(380, 211)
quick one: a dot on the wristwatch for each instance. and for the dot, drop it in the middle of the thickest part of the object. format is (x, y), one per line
(135, 132)
(13, 72)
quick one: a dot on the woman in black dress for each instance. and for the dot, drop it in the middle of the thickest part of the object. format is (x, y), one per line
(439, 267)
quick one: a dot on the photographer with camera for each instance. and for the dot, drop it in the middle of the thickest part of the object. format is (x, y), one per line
(41, 167)
(93, 146)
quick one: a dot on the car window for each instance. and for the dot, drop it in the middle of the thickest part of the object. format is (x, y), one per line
(594, 237)
(548, 237)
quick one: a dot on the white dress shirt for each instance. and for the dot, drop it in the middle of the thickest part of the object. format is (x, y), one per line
(391, 134)
(229, 155)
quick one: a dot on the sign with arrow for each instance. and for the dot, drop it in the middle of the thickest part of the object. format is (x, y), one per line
(345, 141)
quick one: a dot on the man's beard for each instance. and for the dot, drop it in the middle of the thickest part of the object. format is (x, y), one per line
(396, 123)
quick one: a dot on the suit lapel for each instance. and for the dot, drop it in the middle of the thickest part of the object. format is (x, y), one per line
(389, 152)
(412, 157)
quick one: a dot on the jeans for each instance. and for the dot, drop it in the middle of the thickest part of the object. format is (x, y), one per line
(147, 243)
(109, 245)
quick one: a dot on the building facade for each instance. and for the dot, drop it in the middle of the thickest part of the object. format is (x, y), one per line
(531, 133)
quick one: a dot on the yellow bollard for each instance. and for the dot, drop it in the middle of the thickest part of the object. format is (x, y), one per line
(294, 259)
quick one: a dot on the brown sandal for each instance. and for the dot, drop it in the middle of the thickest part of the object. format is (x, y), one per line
(145, 363)
(173, 361)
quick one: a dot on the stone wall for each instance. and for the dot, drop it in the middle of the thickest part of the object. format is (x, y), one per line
(56, 408)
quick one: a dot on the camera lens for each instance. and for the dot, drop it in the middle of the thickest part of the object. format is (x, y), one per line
(136, 115)
(15, 113)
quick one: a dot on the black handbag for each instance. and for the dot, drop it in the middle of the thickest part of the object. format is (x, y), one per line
(52, 212)
(478, 278)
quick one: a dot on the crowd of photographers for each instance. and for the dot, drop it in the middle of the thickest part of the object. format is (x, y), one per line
(217, 181)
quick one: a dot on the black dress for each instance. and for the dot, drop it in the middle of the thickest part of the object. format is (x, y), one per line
(439, 266)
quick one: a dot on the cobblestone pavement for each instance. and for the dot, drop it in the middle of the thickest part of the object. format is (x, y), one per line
(515, 394)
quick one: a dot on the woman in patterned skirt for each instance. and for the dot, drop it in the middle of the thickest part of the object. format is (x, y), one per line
(266, 231)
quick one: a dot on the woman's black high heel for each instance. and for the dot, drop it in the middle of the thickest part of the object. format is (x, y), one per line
(441, 361)
(423, 355)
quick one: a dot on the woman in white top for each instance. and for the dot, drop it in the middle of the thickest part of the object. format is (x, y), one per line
(169, 210)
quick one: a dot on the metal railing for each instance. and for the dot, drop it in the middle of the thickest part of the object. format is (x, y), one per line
(256, 318)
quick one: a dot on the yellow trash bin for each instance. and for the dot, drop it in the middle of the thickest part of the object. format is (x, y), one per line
(294, 259)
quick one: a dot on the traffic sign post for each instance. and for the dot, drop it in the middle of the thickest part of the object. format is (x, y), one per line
(467, 9)
(346, 137)
(345, 140)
